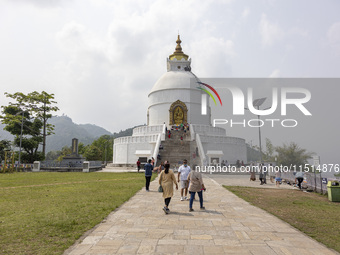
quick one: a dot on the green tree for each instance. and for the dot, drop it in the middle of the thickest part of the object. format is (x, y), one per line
(92, 152)
(52, 155)
(26, 130)
(253, 153)
(39, 107)
(5, 145)
(81, 148)
(270, 150)
(105, 144)
(58, 155)
(42, 106)
(292, 154)
(66, 150)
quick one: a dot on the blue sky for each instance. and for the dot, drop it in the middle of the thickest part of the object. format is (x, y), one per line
(101, 58)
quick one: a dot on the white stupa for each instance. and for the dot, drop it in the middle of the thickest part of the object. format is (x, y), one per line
(175, 100)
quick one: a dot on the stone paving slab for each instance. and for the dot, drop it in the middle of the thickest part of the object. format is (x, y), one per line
(229, 225)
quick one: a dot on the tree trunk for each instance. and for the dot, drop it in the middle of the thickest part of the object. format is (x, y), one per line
(44, 130)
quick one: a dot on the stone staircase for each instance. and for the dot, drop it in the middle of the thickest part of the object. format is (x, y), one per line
(175, 150)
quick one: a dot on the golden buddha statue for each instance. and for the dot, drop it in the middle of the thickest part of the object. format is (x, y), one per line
(178, 115)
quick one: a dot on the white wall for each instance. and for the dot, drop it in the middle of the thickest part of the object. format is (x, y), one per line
(160, 102)
(233, 148)
(209, 130)
(145, 130)
(125, 153)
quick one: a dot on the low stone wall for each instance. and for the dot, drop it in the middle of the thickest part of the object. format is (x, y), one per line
(68, 169)
(86, 166)
(124, 165)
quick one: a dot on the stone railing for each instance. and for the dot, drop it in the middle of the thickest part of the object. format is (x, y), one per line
(137, 139)
(147, 130)
(52, 166)
(208, 130)
(222, 139)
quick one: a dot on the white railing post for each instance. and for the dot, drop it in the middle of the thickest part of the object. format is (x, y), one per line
(200, 150)
(163, 132)
(86, 166)
(36, 166)
(155, 153)
(192, 132)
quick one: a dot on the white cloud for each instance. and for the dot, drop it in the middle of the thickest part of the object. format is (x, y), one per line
(97, 75)
(101, 57)
(71, 36)
(212, 56)
(39, 3)
(269, 31)
(121, 65)
(245, 13)
(333, 36)
(275, 74)
(298, 31)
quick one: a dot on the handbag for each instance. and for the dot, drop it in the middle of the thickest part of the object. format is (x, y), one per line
(160, 188)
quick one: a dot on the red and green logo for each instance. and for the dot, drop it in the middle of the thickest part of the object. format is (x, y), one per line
(209, 93)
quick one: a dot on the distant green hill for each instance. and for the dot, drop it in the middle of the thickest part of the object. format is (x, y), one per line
(126, 132)
(4, 135)
(65, 130)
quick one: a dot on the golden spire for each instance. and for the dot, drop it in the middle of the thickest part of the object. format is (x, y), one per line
(178, 53)
(178, 46)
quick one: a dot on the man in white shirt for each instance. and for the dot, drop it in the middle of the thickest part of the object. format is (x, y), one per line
(183, 172)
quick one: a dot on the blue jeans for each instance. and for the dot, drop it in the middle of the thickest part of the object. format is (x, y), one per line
(192, 196)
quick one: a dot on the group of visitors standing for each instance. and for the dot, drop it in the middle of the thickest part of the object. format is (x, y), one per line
(189, 180)
(265, 169)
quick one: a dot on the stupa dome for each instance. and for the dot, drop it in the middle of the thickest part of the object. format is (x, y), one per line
(175, 100)
(177, 87)
(174, 80)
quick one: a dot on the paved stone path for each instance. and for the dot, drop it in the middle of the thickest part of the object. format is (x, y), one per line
(229, 225)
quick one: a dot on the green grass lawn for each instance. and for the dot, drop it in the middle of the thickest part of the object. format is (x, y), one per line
(311, 213)
(45, 213)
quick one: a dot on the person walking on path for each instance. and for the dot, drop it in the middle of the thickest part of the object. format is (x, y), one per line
(159, 168)
(278, 179)
(271, 172)
(166, 180)
(183, 172)
(196, 185)
(263, 173)
(138, 165)
(252, 172)
(148, 173)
